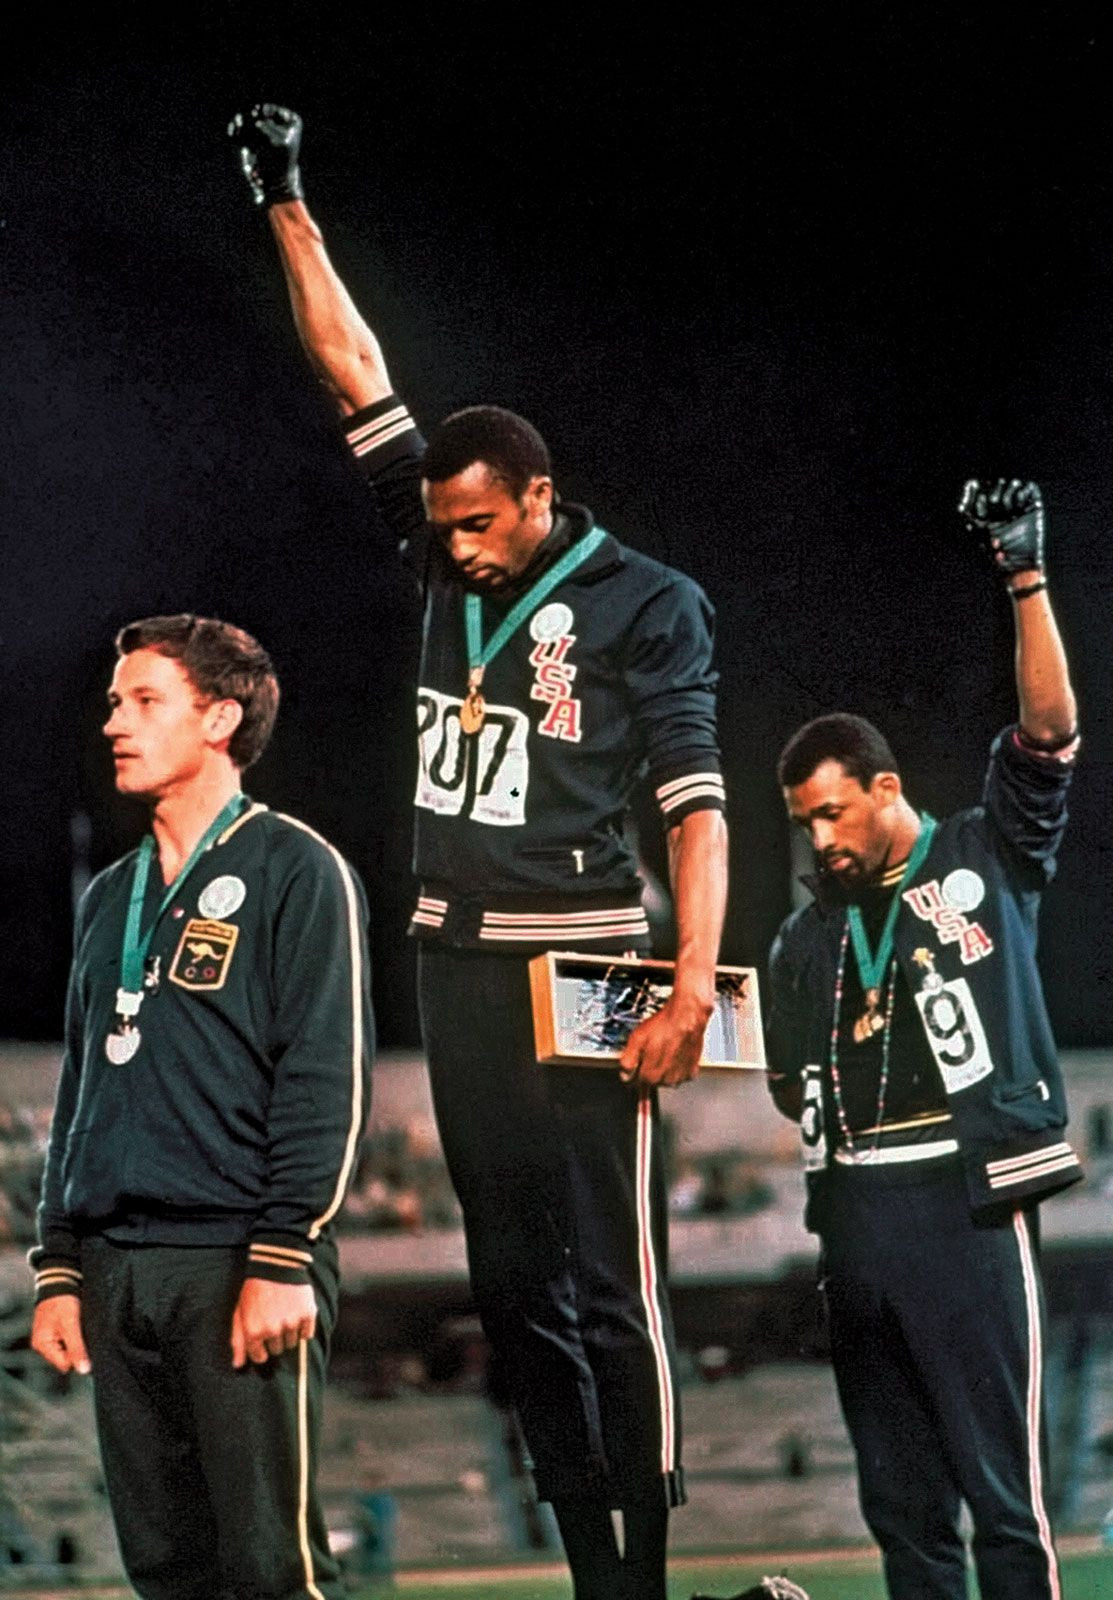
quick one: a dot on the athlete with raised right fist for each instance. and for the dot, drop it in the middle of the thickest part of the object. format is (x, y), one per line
(269, 141)
(556, 664)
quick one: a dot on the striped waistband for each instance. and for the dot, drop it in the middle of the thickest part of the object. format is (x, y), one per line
(895, 1155)
(490, 925)
(544, 926)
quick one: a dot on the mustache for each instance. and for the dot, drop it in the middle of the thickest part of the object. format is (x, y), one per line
(826, 857)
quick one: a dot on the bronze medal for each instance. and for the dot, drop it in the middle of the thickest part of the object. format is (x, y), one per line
(871, 1021)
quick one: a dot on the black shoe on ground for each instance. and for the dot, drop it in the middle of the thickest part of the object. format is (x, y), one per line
(780, 1588)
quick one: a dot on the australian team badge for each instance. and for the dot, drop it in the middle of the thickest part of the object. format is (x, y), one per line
(204, 954)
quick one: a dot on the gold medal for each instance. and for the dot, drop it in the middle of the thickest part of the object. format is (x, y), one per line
(473, 709)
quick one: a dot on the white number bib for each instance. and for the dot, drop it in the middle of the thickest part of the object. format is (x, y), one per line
(487, 774)
(813, 1139)
(955, 1033)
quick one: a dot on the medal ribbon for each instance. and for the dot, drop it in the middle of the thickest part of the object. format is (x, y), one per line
(871, 966)
(133, 952)
(479, 654)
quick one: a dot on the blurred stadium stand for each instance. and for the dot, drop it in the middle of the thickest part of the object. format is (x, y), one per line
(422, 1465)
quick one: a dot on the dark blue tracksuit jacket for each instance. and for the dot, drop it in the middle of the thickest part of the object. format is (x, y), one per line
(966, 942)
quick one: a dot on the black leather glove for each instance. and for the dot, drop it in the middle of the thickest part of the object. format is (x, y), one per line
(1008, 515)
(268, 139)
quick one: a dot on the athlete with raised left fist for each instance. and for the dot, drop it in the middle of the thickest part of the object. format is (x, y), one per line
(908, 1035)
(556, 664)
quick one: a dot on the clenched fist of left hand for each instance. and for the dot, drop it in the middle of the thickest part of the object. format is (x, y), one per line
(1010, 515)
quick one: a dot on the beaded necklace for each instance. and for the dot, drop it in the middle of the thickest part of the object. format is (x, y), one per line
(852, 1149)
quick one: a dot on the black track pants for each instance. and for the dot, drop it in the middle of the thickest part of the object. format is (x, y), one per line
(559, 1173)
(937, 1341)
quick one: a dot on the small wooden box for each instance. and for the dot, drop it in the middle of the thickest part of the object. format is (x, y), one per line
(586, 1006)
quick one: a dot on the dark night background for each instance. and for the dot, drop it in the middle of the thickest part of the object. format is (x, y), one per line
(773, 281)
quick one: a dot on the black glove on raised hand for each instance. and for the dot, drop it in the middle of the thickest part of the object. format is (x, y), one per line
(268, 139)
(1009, 515)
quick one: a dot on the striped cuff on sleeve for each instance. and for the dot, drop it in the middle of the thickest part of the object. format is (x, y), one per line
(1063, 753)
(281, 1260)
(1031, 1168)
(56, 1278)
(695, 791)
(382, 433)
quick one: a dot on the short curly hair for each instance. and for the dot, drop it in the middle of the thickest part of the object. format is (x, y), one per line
(851, 741)
(502, 440)
(223, 663)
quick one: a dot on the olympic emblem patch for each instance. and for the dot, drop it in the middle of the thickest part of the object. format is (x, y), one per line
(204, 954)
(222, 896)
(963, 889)
(551, 621)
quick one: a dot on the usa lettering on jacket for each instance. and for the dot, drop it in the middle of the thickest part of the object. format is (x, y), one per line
(951, 925)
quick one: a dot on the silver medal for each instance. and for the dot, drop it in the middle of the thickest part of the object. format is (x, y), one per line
(120, 1047)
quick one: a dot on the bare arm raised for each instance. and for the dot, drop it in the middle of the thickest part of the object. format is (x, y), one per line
(342, 349)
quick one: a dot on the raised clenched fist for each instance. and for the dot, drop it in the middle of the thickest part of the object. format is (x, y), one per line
(1009, 516)
(268, 139)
